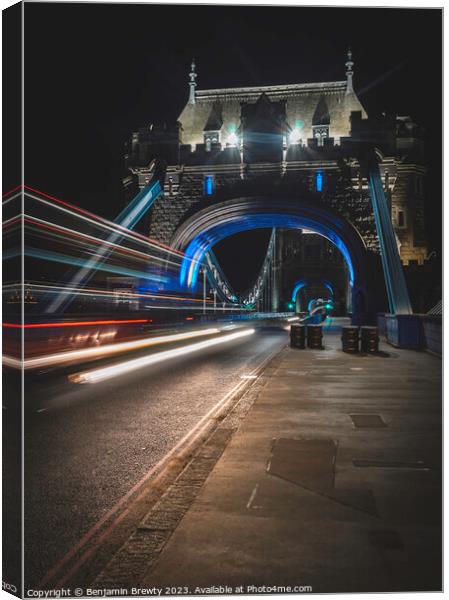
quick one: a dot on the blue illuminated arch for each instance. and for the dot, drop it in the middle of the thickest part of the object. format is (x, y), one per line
(206, 228)
(302, 283)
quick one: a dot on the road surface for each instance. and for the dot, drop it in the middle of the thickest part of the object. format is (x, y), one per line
(87, 445)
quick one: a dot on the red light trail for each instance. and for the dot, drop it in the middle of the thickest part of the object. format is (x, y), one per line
(74, 323)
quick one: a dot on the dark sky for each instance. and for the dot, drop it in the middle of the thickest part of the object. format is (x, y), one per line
(95, 72)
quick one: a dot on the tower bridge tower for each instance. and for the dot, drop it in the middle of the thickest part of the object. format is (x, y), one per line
(302, 141)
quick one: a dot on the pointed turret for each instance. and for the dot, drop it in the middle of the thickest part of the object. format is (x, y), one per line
(349, 73)
(192, 83)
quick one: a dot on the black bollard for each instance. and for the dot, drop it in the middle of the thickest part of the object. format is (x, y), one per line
(315, 337)
(369, 339)
(297, 336)
(350, 339)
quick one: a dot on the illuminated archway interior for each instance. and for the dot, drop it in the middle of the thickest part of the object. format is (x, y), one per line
(204, 241)
(302, 283)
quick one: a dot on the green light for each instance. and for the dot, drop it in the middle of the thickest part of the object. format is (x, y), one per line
(291, 306)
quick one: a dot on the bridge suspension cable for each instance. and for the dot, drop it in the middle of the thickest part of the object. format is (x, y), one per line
(261, 288)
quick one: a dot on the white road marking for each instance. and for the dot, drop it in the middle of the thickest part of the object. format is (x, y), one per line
(253, 496)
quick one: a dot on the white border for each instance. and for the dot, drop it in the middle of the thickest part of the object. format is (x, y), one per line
(305, 3)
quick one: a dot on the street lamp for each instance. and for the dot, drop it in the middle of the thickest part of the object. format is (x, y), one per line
(204, 291)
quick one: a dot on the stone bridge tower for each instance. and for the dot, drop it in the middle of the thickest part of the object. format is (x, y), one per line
(300, 140)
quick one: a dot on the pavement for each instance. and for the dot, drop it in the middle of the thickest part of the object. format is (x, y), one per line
(326, 477)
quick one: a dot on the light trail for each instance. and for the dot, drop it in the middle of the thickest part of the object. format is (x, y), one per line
(217, 308)
(8, 222)
(96, 375)
(130, 215)
(94, 240)
(60, 358)
(74, 323)
(78, 262)
(18, 187)
(99, 221)
(101, 293)
(5, 201)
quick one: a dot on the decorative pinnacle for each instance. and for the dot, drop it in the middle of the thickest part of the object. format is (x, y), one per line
(349, 73)
(192, 83)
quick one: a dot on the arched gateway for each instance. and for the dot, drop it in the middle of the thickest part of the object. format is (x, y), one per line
(199, 233)
(291, 157)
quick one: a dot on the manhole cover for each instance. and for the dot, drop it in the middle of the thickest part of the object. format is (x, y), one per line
(309, 463)
(386, 539)
(390, 464)
(369, 421)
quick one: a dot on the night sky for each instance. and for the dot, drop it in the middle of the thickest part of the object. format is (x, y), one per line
(94, 73)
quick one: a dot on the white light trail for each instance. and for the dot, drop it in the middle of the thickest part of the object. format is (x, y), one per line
(95, 240)
(16, 195)
(109, 225)
(101, 374)
(101, 293)
(101, 351)
(293, 319)
(217, 309)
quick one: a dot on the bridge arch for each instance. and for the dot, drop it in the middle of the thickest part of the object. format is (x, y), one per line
(201, 231)
(302, 283)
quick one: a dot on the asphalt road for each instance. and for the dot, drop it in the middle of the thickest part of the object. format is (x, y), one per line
(87, 445)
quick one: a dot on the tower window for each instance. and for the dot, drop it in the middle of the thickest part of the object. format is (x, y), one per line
(320, 133)
(319, 181)
(401, 218)
(208, 185)
(211, 137)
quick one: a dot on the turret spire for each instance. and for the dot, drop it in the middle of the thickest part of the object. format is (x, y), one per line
(192, 83)
(349, 73)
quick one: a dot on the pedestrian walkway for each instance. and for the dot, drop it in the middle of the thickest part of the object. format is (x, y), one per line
(332, 480)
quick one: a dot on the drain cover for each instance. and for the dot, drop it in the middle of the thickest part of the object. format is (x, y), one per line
(390, 464)
(386, 539)
(309, 463)
(368, 421)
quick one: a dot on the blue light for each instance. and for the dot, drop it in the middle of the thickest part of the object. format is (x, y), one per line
(208, 185)
(319, 181)
(196, 249)
(305, 282)
(139, 206)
